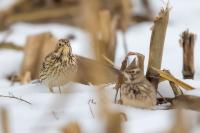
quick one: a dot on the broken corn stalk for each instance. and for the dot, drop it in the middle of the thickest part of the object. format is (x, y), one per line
(173, 79)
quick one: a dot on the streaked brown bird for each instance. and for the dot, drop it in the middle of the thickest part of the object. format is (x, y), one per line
(136, 90)
(59, 67)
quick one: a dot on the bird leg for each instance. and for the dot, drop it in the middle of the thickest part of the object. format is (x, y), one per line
(51, 90)
(59, 89)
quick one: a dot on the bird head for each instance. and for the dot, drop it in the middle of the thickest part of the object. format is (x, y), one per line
(132, 74)
(63, 47)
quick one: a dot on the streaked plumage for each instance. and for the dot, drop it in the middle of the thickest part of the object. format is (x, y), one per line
(59, 67)
(136, 90)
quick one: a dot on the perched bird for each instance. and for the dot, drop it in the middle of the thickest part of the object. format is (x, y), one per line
(59, 67)
(136, 90)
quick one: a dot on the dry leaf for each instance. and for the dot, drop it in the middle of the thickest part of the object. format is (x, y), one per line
(173, 79)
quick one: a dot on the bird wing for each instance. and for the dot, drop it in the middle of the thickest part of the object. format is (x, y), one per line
(89, 71)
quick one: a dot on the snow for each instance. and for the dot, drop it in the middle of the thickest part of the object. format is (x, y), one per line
(48, 114)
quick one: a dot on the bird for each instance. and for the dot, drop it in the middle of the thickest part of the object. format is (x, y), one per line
(59, 66)
(136, 90)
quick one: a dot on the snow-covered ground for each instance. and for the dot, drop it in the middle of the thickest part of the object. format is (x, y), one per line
(45, 115)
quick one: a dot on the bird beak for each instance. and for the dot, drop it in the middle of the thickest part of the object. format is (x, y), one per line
(66, 50)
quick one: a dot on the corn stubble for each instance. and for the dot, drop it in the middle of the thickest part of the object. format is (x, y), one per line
(187, 41)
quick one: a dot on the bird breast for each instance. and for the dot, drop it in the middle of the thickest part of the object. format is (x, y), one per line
(59, 72)
(140, 94)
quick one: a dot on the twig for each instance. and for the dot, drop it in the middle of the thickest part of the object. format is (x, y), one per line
(120, 77)
(108, 60)
(89, 103)
(17, 98)
(161, 96)
(11, 46)
(55, 115)
(176, 89)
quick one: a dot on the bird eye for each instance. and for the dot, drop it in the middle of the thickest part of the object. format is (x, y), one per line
(133, 71)
(59, 44)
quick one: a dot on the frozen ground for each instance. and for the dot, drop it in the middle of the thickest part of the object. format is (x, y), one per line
(45, 115)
